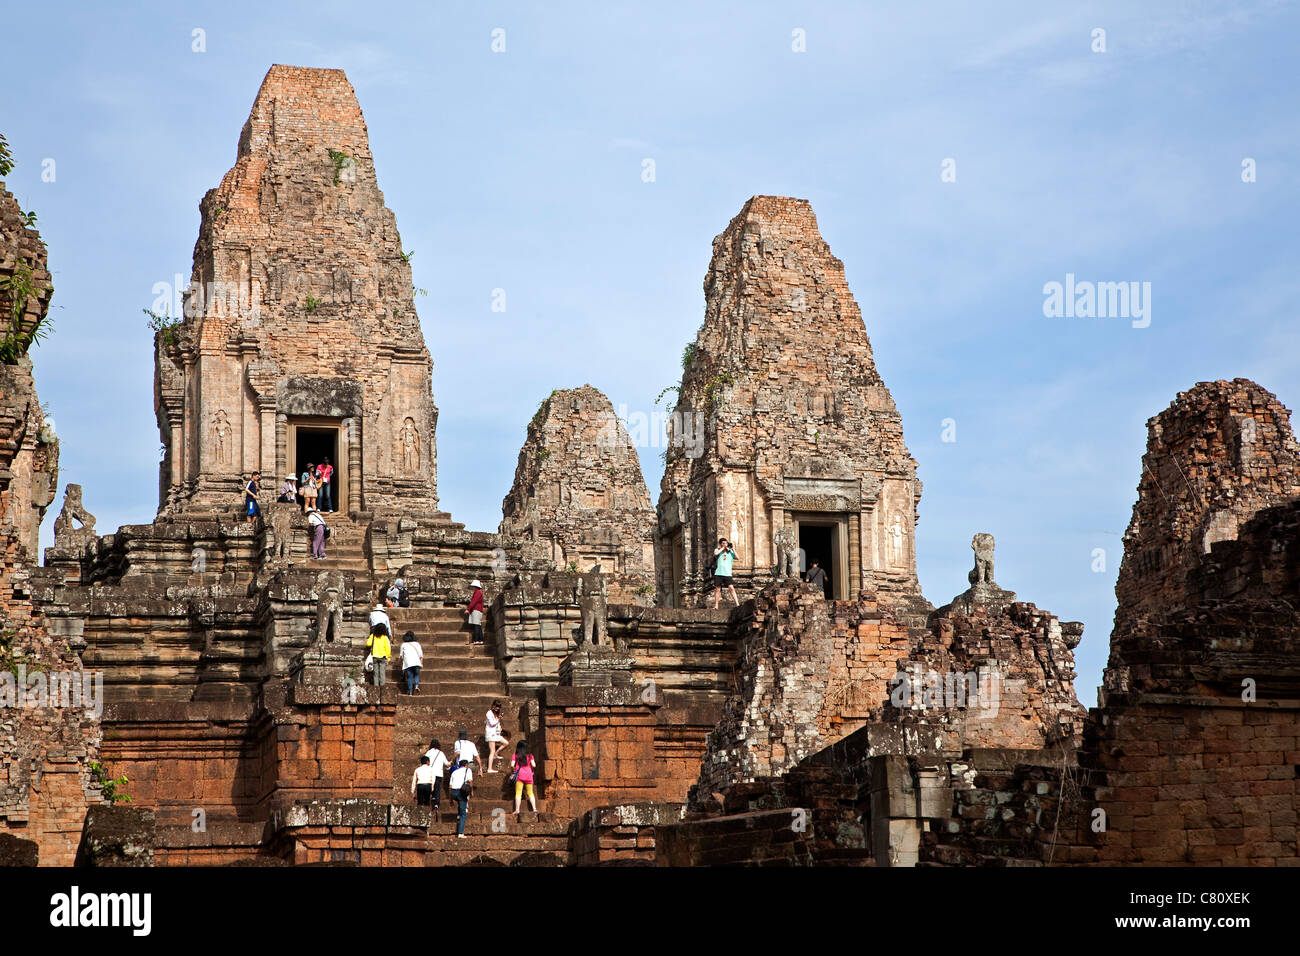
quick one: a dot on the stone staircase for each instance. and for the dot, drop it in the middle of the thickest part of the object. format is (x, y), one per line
(457, 686)
(345, 547)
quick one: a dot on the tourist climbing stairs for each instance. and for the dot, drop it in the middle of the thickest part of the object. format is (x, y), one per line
(458, 683)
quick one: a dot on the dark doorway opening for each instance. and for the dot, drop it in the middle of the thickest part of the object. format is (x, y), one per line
(314, 445)
(817, 541)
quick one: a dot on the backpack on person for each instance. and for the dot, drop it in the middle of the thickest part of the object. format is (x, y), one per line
(713, 564)
(403, 598)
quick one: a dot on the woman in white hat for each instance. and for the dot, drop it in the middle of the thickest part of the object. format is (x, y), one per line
(288, 490)
(475, 612)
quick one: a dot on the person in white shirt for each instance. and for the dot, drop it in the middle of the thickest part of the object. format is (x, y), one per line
(495, 734)
(438, 763)
(412, 655)
(317, 525)
(379, 616)
(422, 782)
(465, 749)
(459, 788)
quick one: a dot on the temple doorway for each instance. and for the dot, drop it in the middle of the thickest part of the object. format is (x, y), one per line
(817, 542)
(311, 443)
(824, 538)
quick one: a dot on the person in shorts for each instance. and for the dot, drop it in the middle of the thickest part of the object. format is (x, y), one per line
(474, 611)
(495, 735)
(723, 559)
(251, 507)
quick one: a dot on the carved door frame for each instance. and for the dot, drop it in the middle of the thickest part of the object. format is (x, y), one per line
(341, 454)
(841, 586)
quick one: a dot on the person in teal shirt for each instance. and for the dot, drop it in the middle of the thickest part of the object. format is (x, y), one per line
(723, 559)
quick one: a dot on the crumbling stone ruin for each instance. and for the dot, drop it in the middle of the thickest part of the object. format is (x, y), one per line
(851, 725)
(579, 501)
(49, 729)
(1188, 759)
(782, 422)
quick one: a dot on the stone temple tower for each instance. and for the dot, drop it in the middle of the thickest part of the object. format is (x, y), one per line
(300, 337)
(579, 498)
(784, 436)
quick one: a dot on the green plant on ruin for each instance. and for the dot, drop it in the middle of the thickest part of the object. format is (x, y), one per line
(6, 158)
(164, 324)
(645, 590)
(15, 290)
(408, 256)
(712, 385)
(312, 304)
(688, 355)
(109, 784)
(671, 388)
(573, 567)
(541, 410)
(29, 220)
(341, 161)
(543, 454)
(416, 290)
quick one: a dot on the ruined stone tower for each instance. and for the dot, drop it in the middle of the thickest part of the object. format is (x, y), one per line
(300, 338)
(579, 497)
(1217, 456)
(801, 442)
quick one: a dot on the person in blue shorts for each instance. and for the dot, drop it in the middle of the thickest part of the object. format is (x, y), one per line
(723, 559)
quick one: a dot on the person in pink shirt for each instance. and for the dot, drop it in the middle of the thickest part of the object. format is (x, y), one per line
(324, 473)
(522, 767)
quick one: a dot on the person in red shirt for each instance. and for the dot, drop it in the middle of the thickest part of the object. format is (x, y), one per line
(475, 612)
(325, 472)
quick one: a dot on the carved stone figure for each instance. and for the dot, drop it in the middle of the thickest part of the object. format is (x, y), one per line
(279, 534)
(787, 552)
(982, 573)
(894, 541)
(410, 442)
(221, 436)
(593, 593)
(72, 511)
(329, 608)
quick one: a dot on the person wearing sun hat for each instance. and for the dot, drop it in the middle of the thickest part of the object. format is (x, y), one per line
(475, 611)
(288, 489)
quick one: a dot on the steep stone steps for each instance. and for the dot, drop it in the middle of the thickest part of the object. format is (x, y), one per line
(496, 838)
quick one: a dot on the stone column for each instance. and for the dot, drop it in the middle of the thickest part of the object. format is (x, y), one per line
(268, 452)
(281, 446)
(352, 435)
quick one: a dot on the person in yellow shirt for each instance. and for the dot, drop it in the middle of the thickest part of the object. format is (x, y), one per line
(381, 649)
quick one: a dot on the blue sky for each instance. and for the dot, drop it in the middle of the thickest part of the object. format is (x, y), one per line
(522, 171)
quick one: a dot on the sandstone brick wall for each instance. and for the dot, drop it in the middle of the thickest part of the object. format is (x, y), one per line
(799, 424)
(1017, 656)
(579, 497)
(317, 320)
(809, 671)
(623, 834)
(595, 747)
